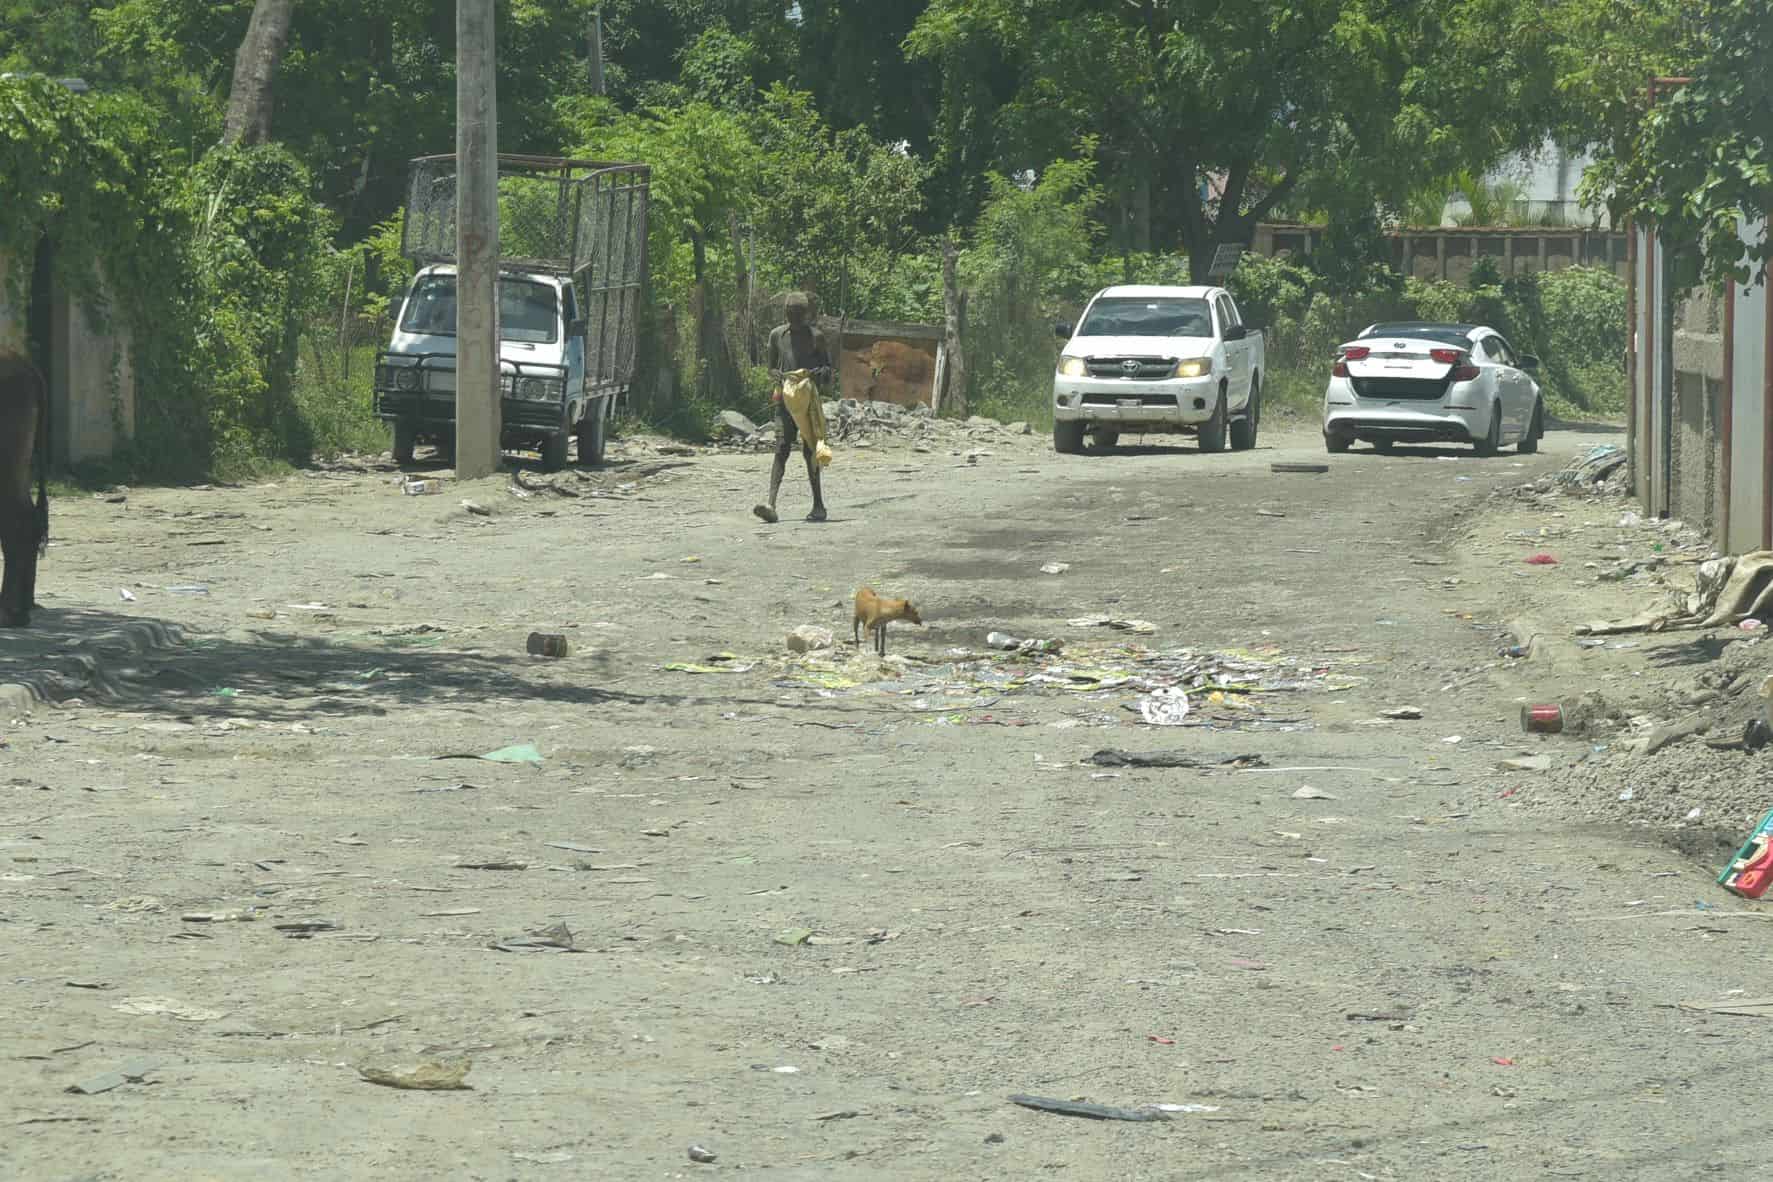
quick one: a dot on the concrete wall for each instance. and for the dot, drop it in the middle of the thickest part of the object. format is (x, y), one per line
(1714, 469)
(1451, 254)
(91, 377)
(1750, 322)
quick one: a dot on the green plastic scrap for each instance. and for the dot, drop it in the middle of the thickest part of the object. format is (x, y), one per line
(794, 936)
(519, 753)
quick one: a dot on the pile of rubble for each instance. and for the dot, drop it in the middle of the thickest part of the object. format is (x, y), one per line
(857, 424)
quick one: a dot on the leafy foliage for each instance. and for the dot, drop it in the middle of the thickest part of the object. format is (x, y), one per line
(1699, 163)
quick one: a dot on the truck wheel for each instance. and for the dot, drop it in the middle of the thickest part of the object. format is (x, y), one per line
(1337, 444)
(406, 437)
(1212, 432)
(1243, 432)
(1103, 439)
(554, 452)
(1529, 443)
(593, 435)
(1068, 438)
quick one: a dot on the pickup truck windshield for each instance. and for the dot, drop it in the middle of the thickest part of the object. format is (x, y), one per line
(526, 310)
(1144, 317)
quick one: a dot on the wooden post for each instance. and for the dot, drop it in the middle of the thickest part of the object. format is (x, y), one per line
(477, 243)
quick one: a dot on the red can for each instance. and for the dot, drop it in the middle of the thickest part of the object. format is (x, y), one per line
(1542, 720)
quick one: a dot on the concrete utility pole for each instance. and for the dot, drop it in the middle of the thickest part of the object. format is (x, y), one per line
(597, 51)
(477, 243)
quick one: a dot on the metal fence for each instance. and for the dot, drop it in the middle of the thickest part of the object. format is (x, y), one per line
(583, 218)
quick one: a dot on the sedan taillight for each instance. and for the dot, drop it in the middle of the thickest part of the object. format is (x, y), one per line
(1459, 359)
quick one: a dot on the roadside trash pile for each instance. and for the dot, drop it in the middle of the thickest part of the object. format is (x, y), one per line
(1730, 591)
(1122, 681)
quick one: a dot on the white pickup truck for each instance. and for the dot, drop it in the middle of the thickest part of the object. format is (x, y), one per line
(1159, 360)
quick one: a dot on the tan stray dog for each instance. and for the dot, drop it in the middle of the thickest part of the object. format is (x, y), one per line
(875, 613)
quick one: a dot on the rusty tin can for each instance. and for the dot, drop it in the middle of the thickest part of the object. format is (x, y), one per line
(547, 644)
(1542, 720)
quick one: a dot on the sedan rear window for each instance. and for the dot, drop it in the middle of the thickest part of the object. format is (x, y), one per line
(1450, 334)
(1131, 316)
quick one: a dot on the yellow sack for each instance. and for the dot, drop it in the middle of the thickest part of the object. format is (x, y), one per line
(800, 394)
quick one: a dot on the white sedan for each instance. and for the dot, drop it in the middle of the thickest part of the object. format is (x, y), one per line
(1420, 382)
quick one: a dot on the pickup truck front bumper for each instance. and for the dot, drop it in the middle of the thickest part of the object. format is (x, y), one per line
(1171, 404)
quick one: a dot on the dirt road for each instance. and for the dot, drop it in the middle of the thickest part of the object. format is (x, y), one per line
(829, 913)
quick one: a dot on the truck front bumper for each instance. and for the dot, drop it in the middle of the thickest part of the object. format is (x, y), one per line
(1173, 405)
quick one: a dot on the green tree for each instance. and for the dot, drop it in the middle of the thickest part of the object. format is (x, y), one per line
(1699, 162)
(1208, 115)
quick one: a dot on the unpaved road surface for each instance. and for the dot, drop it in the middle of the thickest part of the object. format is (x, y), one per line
(232, 861)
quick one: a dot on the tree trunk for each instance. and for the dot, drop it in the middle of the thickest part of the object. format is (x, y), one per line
(953, 396)
(251, 96)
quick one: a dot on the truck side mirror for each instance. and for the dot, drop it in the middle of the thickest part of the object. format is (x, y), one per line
(1062, 331)
(576, 328)
(1236, 332)
(1529, 363)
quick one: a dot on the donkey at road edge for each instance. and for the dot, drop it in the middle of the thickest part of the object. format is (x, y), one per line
(24, 527)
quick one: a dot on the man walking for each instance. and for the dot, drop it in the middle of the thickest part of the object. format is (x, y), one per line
(797, 346)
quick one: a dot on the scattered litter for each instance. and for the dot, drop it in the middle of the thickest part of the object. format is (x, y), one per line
(698, 1154)
(1160, 1040)
(546, 644)
(430, 1075)
(1140, 627)
(498, 864)
(1627, 795)
(1055, 568)
(1268, 513)
(841, 1114)
(1296, 467)
(1188, 1108)
(555, 938)
(1164, 707)
(476, 508)
(556, 1158)
(1502, 1061)
(421, 488)
(1088, 1111)
(1004, 642)
(1540, 560)
(1748, 1007)
(135, 1071)
(1113, 758)
(1310, 793)
(1402, 713)
(1751, 871)
(794, 936)
(808, 638)
(126, 595)
(1547, 719)
(1528, 763)
(170, 1007)
(303, 929)
(574, 847)
(718, 663)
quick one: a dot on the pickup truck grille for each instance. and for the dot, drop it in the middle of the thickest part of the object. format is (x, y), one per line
(1420, 389)
(1098, 399)
(1150, 369)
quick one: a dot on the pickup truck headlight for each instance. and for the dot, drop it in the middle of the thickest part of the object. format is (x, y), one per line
(540, 389)
(407, 377)
(1194, 367)
(1073, 367)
